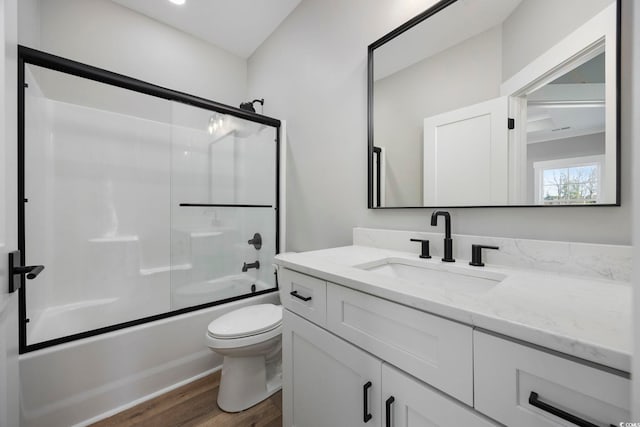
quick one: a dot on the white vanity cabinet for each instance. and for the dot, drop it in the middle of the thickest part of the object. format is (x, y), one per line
(368, 361)
(329, 382)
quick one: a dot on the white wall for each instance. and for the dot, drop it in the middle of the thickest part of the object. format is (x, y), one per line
(29, 23)
(313, 69)
(110, 36)
(9, 368)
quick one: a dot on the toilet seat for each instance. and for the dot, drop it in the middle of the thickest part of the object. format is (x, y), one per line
(228, 343)
(245, 326)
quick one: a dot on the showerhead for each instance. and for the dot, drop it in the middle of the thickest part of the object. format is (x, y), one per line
(249, 105)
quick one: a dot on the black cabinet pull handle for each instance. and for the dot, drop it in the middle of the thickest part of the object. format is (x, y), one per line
(297, 295)
(388, 404)
(365, 396)
(533, 401)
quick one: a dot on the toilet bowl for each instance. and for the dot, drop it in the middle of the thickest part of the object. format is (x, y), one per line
(250, 339)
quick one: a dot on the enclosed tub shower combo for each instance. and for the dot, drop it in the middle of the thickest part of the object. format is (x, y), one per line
(142, 203)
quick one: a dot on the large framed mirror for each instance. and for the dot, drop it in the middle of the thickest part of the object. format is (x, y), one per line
(497, 103)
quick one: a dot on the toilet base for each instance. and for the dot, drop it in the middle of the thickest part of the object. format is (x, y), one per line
(247, 381)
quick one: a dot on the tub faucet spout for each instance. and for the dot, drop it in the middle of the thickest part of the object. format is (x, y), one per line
(246, 267)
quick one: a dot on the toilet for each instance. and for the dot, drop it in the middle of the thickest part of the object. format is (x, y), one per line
(250, 339)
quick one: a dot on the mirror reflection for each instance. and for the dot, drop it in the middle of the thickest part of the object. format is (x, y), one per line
(517, 106)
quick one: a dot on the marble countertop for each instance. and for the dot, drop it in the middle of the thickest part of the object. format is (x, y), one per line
(585, 317)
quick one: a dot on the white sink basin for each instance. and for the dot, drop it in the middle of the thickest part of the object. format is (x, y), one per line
(465, 279)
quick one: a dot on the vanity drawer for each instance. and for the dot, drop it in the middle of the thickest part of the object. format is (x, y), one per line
(432, 349)
(507, 373)
(303, 295)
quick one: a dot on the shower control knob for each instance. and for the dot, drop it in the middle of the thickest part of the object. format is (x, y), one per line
(256, 241)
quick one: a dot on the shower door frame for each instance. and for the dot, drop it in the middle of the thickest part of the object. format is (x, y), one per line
(39, 58)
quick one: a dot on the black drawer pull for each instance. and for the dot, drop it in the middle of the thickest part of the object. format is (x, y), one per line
(388, 404)
(533, 401)
(297, 295)
(365, 397)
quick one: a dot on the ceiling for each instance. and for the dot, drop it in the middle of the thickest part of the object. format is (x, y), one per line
(572, 105)
(238, 26)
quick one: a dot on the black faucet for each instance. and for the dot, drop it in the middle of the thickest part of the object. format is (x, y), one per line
(246, 267)
(448, 242)
(424, 252)
(476, 254)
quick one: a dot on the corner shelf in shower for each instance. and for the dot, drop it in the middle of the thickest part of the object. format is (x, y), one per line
(222, 205)
(200, 234)
(114, 239)
(165, 269)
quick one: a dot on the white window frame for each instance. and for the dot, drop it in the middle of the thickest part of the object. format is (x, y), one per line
(572, 162)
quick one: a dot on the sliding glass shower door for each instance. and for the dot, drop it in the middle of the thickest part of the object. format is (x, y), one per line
(138, 206)
(223, 195)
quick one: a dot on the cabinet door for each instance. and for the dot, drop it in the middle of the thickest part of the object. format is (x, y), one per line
(326, 379)
(408, 402)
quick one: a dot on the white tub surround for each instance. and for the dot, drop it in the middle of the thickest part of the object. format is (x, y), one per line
(586, 316)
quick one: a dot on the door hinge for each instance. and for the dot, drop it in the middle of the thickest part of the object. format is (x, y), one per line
(511, 123)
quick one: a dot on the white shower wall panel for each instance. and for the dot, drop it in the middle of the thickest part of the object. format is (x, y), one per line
(99, 194)
(112, 184)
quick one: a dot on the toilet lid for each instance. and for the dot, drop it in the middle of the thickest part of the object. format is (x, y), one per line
(246, 321)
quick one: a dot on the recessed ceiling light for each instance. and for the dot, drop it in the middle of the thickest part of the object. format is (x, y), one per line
(178, 2)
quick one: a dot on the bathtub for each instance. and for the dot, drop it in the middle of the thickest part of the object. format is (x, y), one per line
(84, 381)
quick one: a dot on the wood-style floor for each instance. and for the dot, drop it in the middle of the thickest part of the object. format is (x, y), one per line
(194, 405)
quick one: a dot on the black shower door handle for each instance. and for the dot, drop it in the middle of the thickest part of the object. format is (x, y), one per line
(17, 271)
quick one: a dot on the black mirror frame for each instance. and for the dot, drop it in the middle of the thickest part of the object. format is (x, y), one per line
(370, 143)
